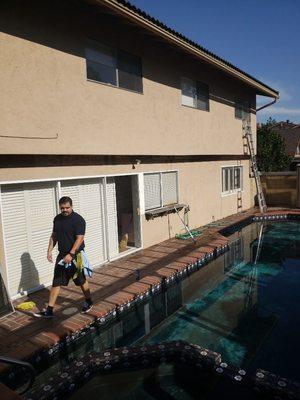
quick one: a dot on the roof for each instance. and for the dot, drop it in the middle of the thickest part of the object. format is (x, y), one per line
(128, 10)
(285, 125)
(290, 133)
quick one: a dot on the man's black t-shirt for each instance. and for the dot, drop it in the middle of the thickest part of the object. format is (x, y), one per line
(66, 228)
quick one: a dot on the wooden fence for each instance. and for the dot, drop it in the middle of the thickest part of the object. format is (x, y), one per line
(281, 188)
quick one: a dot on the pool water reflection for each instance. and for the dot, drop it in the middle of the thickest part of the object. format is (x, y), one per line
(245, 304)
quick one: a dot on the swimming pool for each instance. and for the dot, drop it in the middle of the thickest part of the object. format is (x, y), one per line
(243, 305)
(246, 304)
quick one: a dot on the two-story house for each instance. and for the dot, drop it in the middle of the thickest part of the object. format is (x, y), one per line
(103, 103)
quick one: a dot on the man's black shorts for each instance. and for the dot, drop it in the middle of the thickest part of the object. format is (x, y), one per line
(62, 275)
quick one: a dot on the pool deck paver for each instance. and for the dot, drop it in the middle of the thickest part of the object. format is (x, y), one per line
(23, 335)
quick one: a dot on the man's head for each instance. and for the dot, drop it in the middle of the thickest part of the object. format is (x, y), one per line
(65, 205)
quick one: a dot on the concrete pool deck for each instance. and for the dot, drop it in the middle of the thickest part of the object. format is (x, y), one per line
(23, 336)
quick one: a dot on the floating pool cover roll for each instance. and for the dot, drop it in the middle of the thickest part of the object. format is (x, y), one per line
(197, 232)
(185, 236)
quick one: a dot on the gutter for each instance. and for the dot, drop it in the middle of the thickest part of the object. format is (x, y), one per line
(267, 105)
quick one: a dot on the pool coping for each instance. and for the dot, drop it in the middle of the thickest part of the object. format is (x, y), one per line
(46, 345)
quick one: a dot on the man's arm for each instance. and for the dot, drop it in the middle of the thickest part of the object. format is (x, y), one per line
(52, 243)
(79, 240)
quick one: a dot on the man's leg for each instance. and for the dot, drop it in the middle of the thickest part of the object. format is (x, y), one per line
(54, 292)
(60, 278)
(48, 312)
(88, 304)
(86, 290)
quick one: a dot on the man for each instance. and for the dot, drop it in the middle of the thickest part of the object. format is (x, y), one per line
(68, 232)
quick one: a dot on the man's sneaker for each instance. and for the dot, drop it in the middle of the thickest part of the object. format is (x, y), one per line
(44, 314)
(87, 306)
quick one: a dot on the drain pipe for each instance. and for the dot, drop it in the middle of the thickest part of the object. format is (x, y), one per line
(259, 109)
(267, 105)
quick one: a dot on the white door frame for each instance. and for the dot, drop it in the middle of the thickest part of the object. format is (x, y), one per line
(141, 206)
(139, 191)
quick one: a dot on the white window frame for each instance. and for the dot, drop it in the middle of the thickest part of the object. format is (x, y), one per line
(244, 106)
(161, 188)
(233, 190)
(194, 83)
(95, 43)
(235, 254)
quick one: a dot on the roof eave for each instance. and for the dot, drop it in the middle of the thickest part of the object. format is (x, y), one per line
(140, 20)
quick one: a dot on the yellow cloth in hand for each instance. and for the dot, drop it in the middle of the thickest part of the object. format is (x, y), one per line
(79, 265)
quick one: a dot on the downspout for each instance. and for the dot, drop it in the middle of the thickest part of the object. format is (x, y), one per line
(267, 105)
(258, 109)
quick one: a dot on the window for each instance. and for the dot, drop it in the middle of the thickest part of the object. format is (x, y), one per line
(194, 94)
(113, 66)
(161, 189)
(242, 109)
(232, 179)
(235, 255)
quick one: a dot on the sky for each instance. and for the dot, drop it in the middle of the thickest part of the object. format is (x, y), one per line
(262, 37)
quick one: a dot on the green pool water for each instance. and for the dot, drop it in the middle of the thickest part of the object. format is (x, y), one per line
(246, 304)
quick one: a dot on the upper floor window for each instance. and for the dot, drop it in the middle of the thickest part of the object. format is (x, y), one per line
(242, 109)
(160, 189)
(113, 66)
(194, 94)
(232, 179)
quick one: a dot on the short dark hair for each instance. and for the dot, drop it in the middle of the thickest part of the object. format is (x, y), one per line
(64, 200)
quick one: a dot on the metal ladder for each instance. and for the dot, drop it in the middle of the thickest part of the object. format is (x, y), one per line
(260, 195)
(259, 242)
(239, 201)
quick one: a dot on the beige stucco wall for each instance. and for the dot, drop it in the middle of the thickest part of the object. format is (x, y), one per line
(199, 186)
(44, 92)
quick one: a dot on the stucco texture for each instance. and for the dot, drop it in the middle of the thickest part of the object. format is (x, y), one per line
(45, 91)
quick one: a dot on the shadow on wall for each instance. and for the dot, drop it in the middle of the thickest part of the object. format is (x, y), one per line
(29, 275)
(94, 22)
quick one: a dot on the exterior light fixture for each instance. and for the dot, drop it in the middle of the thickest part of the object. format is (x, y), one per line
(137, 161)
